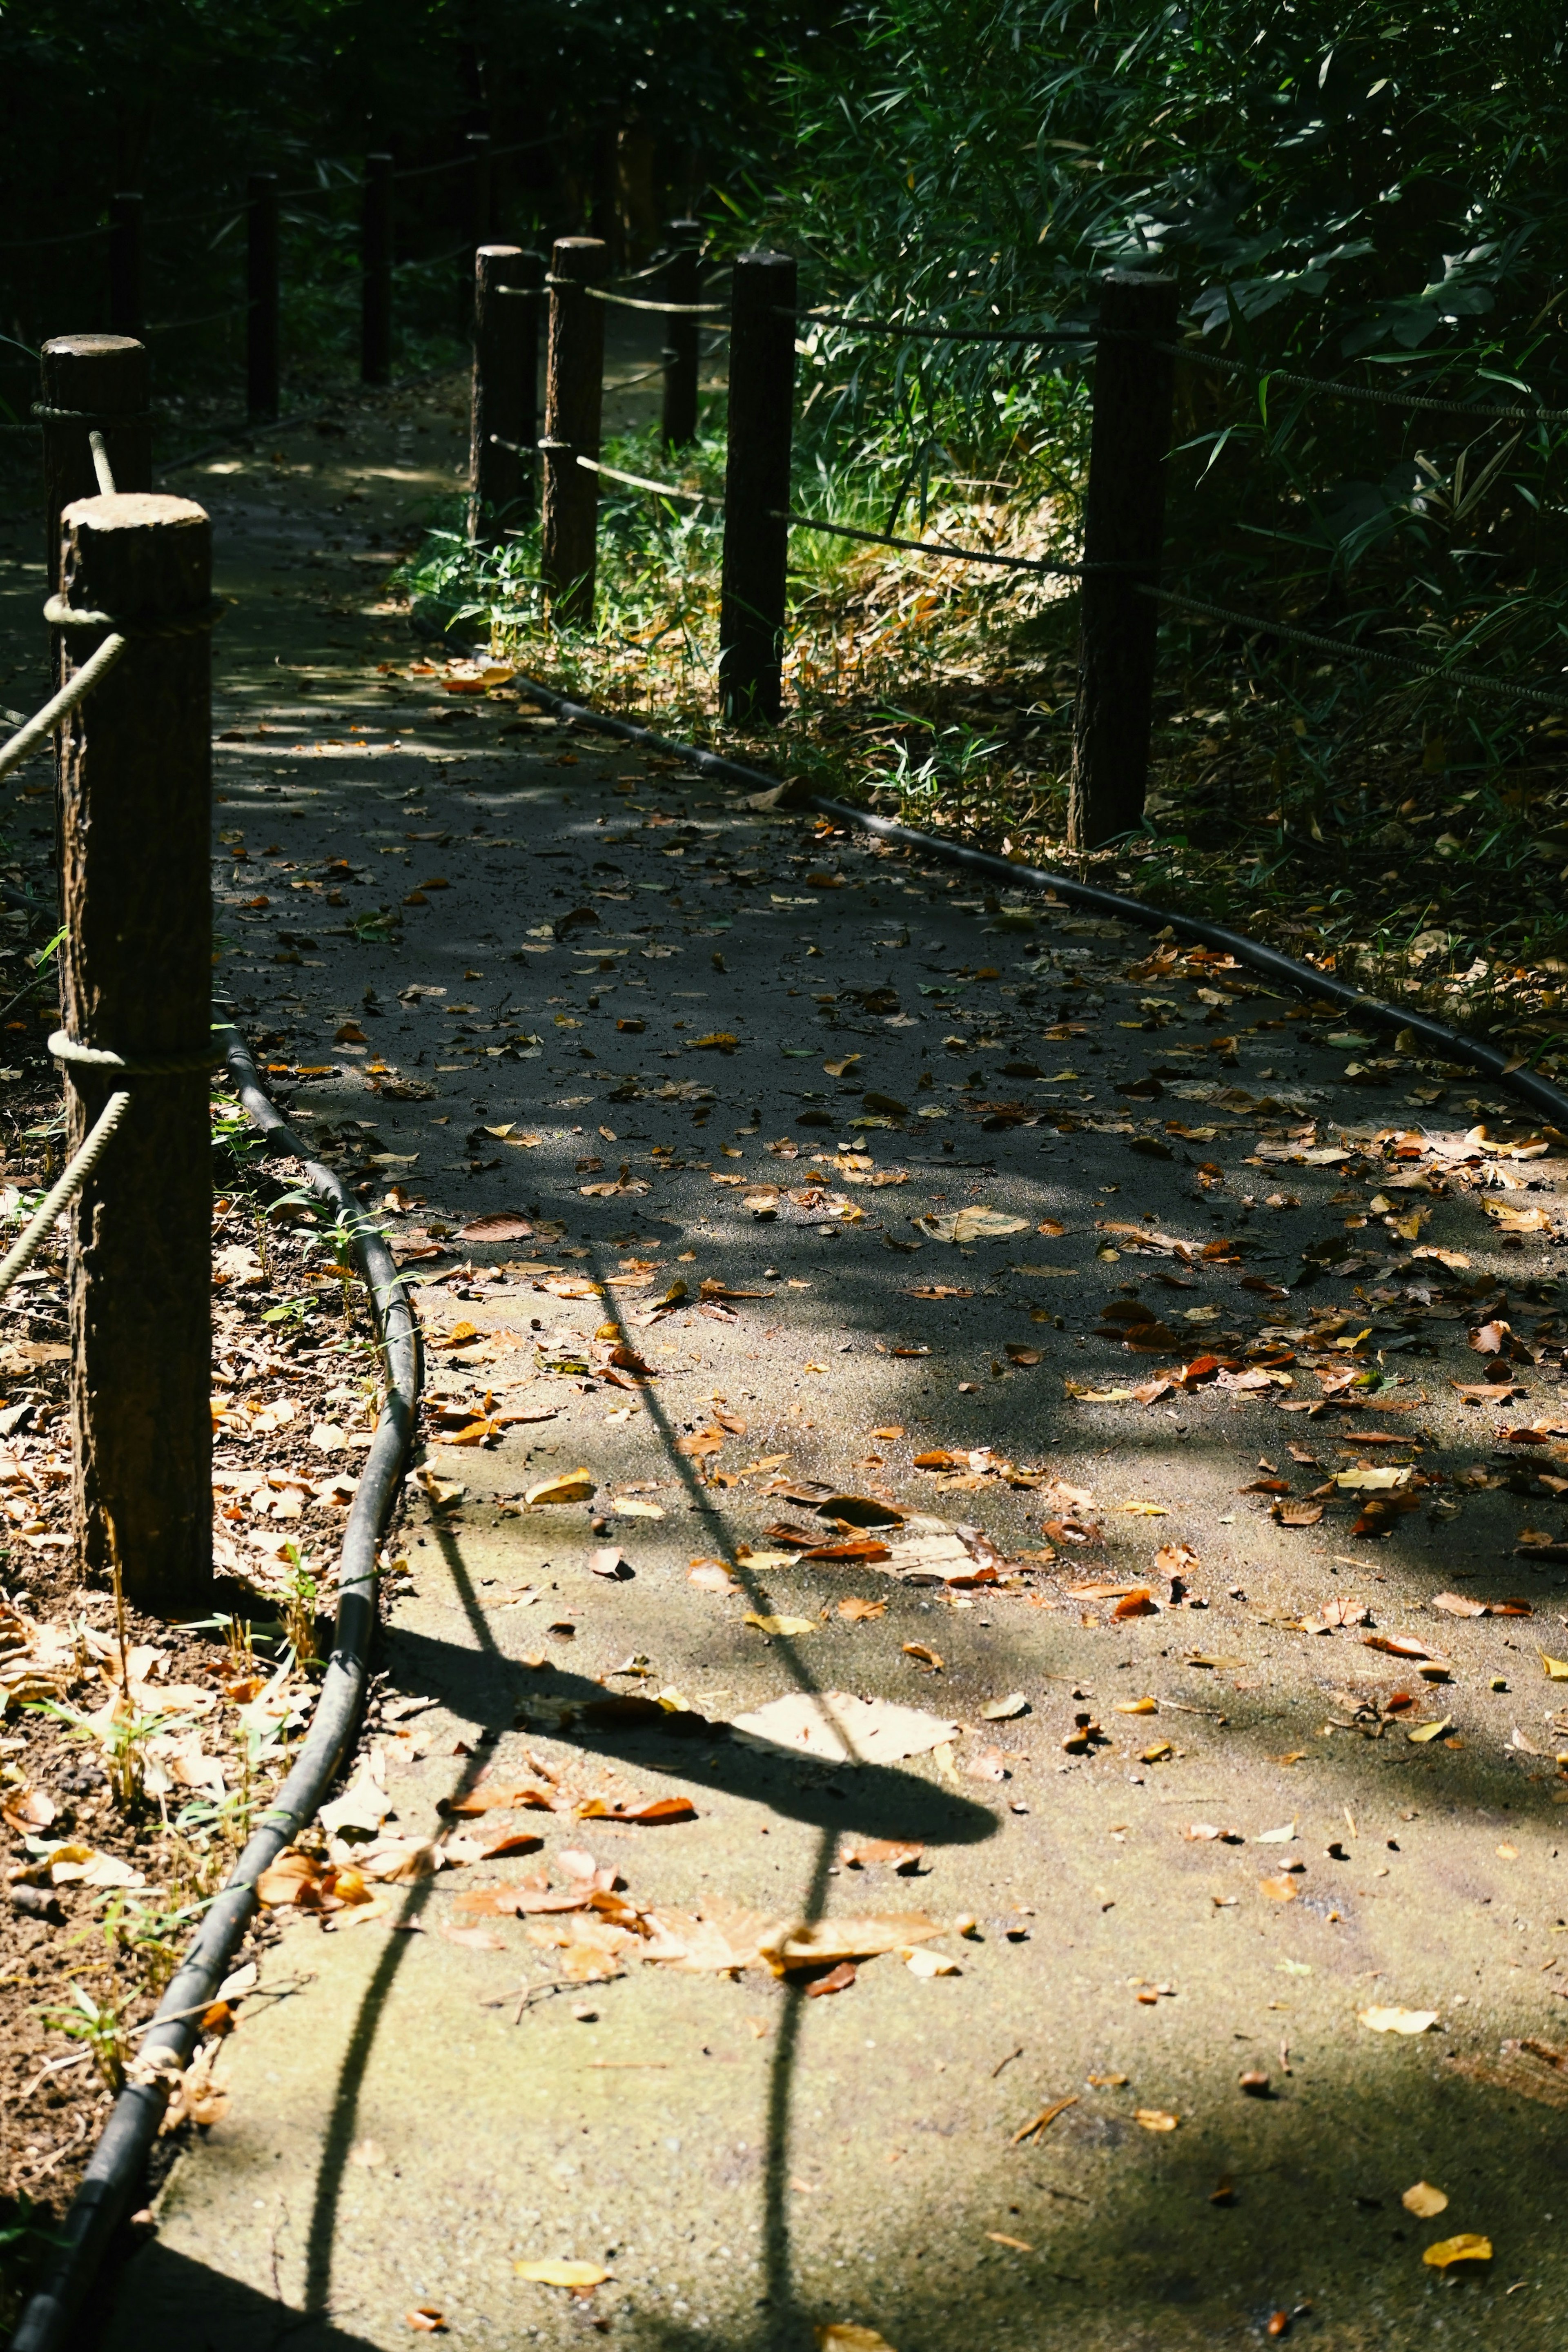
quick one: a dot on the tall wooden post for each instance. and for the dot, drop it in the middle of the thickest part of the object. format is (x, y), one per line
(125, 216)
(480, 186)
(86, 381)
(757, 487)
(574, 403)
(376, 267)
(137, 980)
(261, 329)
(682, 284)
(1124, 524)
(500, 458)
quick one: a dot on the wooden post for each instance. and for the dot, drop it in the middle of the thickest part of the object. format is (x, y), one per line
(500, 457)
(574, 403)
(262, 339)
(137, 978)
(479, 146)
(375, 266)
(125, 264)
(1124, 522)
(86, 381)
(757, 487)
(682, 283)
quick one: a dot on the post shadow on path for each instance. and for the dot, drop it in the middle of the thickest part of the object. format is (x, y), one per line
(876, 1799)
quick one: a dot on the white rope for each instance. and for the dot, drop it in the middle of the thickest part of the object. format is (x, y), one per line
(65, 1191)
(43, 724)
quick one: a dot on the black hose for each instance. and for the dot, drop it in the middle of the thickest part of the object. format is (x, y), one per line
(122, 2151)
(1304, 978)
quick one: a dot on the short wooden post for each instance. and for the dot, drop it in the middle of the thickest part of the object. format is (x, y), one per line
(757, 487)
(261, 336)
(501, 409)
(574, 403)
(1124, 522)
(376, 267)
(137, 978)
(682, 283)
(125, 216)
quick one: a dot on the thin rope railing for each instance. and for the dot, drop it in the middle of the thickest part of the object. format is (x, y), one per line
(43, 723)
(942, 334)
(935, 547)
(643, 482)
(68, 236)
(630, 302)
(1369, 395)
(1444, 672)
(202, 319)
(65, 1191)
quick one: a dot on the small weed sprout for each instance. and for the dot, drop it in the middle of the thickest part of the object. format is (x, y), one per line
(102, 2025)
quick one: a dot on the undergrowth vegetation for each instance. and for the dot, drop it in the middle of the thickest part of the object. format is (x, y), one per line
(1369, 194)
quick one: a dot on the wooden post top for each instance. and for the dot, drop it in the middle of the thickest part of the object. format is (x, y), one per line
(132, 511)
(91, 347)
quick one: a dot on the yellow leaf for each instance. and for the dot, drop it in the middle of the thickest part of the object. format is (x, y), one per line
(566, 1486)
(843, 2336)
(1399, 2021)
(1158, 1753)
(781, 1624)
(1155, 2119)
(1424, 2201)
(1466, 2247)
(1556, 1668)
(1137, 1707)
(562, 2274)
(1420, 1733)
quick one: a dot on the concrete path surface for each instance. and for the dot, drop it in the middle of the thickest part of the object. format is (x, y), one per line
(1209, 1907)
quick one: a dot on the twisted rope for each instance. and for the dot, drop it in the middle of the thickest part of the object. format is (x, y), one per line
(132, 1065)
(1410, 663)
(665, 310)
(42, 725)
(64, 1192)
(642, 482)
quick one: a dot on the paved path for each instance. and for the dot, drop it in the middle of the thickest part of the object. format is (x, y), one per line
(685, 1040)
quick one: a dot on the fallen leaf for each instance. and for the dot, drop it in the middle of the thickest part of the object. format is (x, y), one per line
(1000, 2238)
(781, 1625)
(1399, 2021)
(842, 1728)
(1042, 2122)
(963, 1225)
(838, 1979)
(641, 1809)
(1556, 1668)
(1421, 1733)
(923, 1656)
(573, 2274)
(1425, 2201)
(426, 2319)
(843, 2336)
(860, 1613)
(502, 1226)
(1001, 1710)
(475, 1939)
(1466, 2247)
(806, 1945)
(1155, 2119)
(894, 1852)
(1278, 1890)
(566, 1486)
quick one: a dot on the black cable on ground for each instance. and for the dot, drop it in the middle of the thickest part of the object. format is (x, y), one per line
(1304, 978)
(115, 2171)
